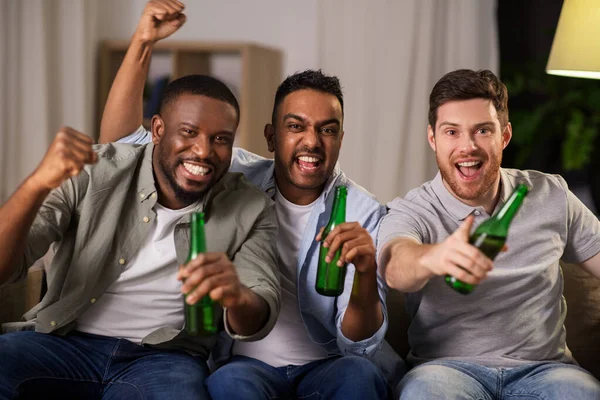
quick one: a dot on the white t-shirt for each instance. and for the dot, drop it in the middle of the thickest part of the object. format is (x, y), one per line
(288, 343)
(147, 295)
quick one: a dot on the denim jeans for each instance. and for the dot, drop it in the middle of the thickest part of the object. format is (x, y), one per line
(82, 366)
(463, 380)
(345, 378)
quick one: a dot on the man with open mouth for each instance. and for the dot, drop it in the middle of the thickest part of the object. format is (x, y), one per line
(506, 339)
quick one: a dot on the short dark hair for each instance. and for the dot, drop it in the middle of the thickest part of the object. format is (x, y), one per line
(309, 79)
(202, 85)
(466, 84)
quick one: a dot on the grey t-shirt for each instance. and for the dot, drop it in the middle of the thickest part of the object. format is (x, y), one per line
(517, 314)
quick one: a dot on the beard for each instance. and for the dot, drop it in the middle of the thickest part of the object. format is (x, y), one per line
(471, 190)
(185, 196)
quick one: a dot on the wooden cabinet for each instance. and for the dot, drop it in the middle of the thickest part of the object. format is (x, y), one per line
(254, 71)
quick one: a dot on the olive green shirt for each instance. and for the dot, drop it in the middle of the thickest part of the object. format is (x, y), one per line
(99, 220)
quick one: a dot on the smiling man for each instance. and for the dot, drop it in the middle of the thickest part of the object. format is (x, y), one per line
(111, 323)
(507, 338)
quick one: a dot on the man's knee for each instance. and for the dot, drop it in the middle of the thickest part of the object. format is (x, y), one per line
(14, 347)
(160, 377)
(238, 379)
(437, 382)
(567, 382)
(355, 377)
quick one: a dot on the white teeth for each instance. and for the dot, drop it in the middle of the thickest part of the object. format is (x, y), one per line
(469, 163)
(196, 169)
(308, 159)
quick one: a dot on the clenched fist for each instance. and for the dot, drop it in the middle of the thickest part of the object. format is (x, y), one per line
(160, 19)
(455, 256)
(65, 158)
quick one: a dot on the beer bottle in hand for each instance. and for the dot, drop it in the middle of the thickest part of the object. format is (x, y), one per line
(490, 236)
(200, 317)
(330, 277)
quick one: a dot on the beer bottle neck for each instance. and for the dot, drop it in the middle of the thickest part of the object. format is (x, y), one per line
(338, 213)
(197, 237)
(508, 211)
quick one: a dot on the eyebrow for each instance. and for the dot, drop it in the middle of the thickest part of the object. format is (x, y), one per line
(197, 128)
(330, 121)
(448, 123)
(294, 116)
(484, 124)
(301, 119)
(190, 125)
(477, 125)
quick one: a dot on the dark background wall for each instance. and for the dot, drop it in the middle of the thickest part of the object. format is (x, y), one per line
(526, 28)
(542, 107)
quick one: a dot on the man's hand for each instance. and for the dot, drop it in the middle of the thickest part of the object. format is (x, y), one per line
(363, 316)
(213, 274)
(160, 19)
(356, 245)
(456, 257)
(66, 157)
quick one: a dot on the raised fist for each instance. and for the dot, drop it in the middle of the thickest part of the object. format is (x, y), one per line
(160, 19)
(65, 158)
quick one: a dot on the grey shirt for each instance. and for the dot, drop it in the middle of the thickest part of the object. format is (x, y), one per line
(517, 315)
(99, 219)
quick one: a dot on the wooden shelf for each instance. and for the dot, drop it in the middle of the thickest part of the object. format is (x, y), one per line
(260, 74)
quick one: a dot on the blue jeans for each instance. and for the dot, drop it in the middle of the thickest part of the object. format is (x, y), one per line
(463, 380)
(332, 378)
(82, 366)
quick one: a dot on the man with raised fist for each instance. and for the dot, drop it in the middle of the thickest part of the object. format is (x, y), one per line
(111, 323)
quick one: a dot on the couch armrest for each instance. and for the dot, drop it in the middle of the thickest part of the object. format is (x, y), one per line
(18, 298)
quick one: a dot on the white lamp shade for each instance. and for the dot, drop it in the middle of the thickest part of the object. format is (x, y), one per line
(576, 46)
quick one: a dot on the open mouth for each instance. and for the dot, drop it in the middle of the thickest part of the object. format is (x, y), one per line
(308, 164)
(197, 172)
(469, 170)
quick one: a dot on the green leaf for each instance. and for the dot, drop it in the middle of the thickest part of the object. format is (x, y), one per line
(579, 142)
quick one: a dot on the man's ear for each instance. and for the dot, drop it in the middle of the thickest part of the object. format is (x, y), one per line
(270, 136)
(157, 127)
(431, 137)
(506, 135)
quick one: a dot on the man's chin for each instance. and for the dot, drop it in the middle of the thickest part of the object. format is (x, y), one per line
(191, 192)
(189, 197)
(308, 183)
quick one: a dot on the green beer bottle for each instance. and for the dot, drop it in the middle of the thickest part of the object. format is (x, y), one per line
(490, 236)
(200, 317)
(330, 277)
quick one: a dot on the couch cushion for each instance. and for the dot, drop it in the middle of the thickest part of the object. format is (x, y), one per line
(582, 292)
(18, 298)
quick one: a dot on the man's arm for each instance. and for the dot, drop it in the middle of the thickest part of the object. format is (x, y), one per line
(123, 112)
(592, 265)
(408, 265)
(65, 158)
